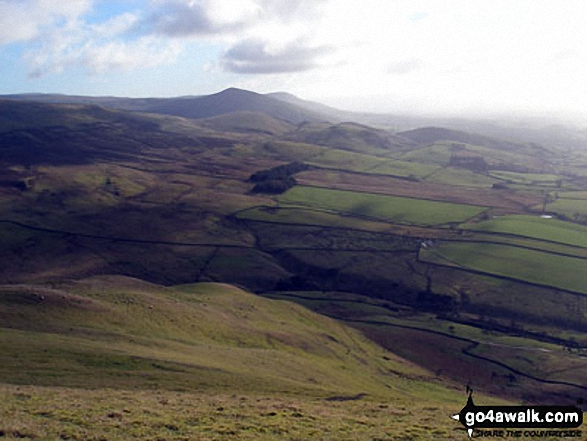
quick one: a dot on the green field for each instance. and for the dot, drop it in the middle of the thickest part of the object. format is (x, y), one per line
(536, 227)
(513, 262)
(289, 150)
(439, 153)
(359, 162)
(568, 207)
(346, 160)
(572, 194)
(460, 177)
(388, 208)
(404, 169)
(304, 216)
(526, 178)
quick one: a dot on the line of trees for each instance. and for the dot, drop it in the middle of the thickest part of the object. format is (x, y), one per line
(278, 179)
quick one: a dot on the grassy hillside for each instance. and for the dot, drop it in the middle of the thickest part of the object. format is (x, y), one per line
(284, 369)
(119, 332)
(247, 122)
(352, 137)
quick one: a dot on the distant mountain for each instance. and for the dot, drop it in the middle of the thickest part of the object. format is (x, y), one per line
(247, 122)
(132, 104)
(332, 113)
(193, 107)
(430, 135)
(351, 136)
(233, 100)
(33, 133)
(291, 109)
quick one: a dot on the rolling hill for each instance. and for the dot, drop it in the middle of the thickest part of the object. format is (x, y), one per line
(193, 107)
(247, 122)
(374, 229)
(351, 136)
(205, 348)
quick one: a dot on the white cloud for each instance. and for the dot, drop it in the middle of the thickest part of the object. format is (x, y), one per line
(97, 48)
(257, 57)
(404, 67)
(23, 20)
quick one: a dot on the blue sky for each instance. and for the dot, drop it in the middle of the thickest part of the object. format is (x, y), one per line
(457, 57)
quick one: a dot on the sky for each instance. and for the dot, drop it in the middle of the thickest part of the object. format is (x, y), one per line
(455, 57)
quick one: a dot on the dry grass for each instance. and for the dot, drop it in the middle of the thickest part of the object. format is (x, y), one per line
(75, 414)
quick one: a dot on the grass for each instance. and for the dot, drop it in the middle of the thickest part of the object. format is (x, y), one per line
(525, 160)
(536, 227)
(568, 207)
(508, 261)
(345, 160)
(116, 358)
(289, 150)
(572, 194)
(405, 169)
(526, 178)
(460, 177)
(117, 332)
(526, 242)
(66, 413)
(363, 163)
(381, 207)
(304, 216)
(439, 153)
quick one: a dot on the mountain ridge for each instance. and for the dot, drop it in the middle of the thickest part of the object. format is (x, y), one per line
(192, 107)
(290, 108)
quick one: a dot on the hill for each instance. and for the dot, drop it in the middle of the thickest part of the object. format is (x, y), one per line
(203, 336)
(352, 137)
(193, 107)
(41, 133)
(332, 114)
(247, 122)
(394, 223)
(210, 341)
(232, 100)
(430, 135)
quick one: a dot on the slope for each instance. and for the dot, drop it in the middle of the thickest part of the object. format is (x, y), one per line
(193, 107)
(235, 358)
(430, 135)
(246, 122)
(41, 133)
(121, 332)
(352, 137)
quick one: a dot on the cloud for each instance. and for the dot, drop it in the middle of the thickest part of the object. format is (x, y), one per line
(181, 19)
(200, 18)
(257, 57)
(24, 20)
(404, 67)
(60, 35)
(291, 10)
(96, 48)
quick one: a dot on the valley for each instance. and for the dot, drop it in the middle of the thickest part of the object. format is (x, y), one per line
(138, 253)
